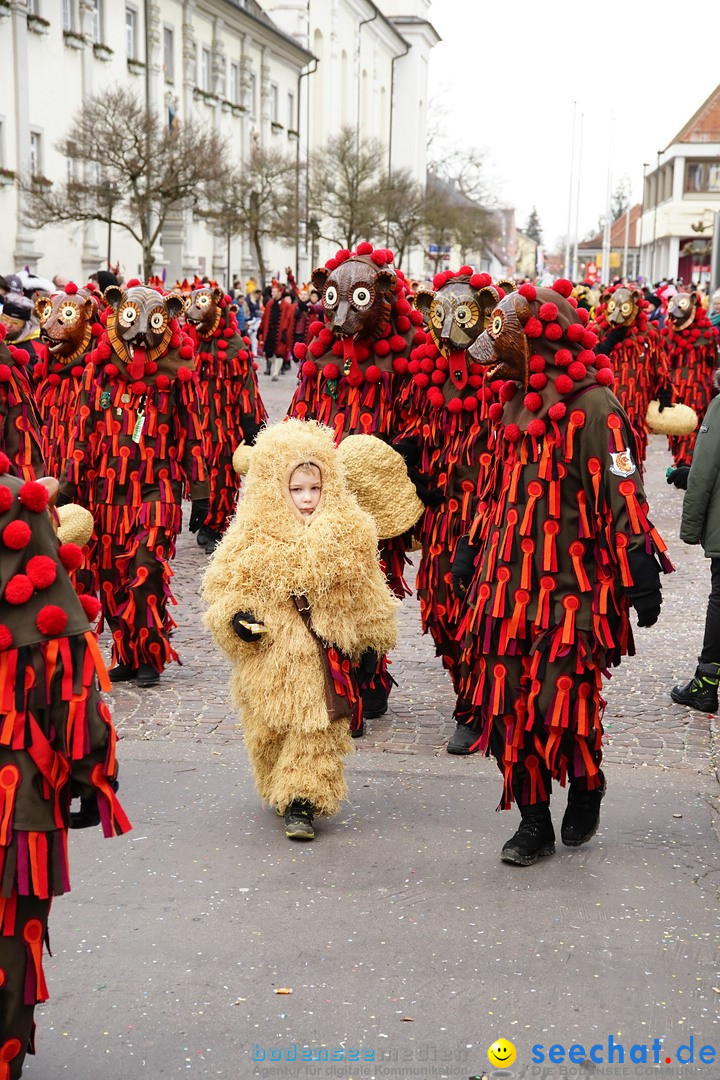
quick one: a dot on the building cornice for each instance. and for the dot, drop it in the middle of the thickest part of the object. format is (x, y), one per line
(264, 30)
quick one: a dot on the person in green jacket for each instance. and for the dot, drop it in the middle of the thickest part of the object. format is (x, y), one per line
(701, 525)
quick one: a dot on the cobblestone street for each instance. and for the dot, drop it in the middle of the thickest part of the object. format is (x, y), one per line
(643, 725)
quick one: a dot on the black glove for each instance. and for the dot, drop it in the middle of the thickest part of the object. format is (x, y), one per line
(428, 496)
(463, 566)
(665, 397)
(249, 429)
(199, 513)
(88, 815)
(242, 629)
(678, 476)
(645, 593)
(614, 337)
(62, 500)
(409, 450)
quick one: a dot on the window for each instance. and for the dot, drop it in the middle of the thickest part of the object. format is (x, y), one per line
(252, 94)
(131, 33)
(274, 103)
(72, 164)
(2, 144)
(234, 88)
(33, 7)
(291, 112)
(67, 21)
(168, 54)
(713, 174)
(36, 163)
(97, 34)
(205, 75)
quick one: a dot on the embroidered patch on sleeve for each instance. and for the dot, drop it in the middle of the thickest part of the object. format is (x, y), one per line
(622, 463)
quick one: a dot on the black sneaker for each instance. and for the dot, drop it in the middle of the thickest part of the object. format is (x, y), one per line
(147, 675)
(122, 673)
(701, 692)
(462, 739)
(534, 839)
(582, 818)
(299, 820)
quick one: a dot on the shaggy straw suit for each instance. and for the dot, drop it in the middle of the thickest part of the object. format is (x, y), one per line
(270, 554)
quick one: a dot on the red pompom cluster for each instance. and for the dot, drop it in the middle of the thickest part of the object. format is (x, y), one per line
(71, 288)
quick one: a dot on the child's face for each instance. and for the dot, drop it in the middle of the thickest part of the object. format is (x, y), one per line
(306, 489)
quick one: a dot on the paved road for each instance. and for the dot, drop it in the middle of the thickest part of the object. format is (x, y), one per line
(399, 932)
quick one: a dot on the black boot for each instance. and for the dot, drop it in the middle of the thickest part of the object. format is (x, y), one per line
(534, 839)
(701, 692)
(123, 673)
(147, 675)
(212, 540)
(299, 820)
(203, 535)
(374, 701)
(581, 819)
(462, 739)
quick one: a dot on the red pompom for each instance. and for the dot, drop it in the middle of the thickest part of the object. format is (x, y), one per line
(512, 433)
(537, 428)
(532, 402)
(70, 556)
(91, 606)
(331, 371)
(41, 570)
(331, 264)
(480, 281)
(104, 351)
(379, 257)
(583, 315)
(563, 286)
(605, 377)
(538, 380)
(77, 370)
(51, 620)
(533, 327)
(373, 373)
(577, 371)
(316, 348)
(508, 390)
(175, 341)
(300, 350)
(6, 638)
(389, 255)
(415, 318)
(587, 357)
(6, 499)
(558, 410)
(400, 365)
(133, 282)
(601, 361)
(589, 340)
(438, 377)
(528, 291)
(403, 324)
(381, 348)
(553, 331)
(184, 374)
(435, 397)
(495, 411)
(402, 307)
(574, 333)
(326, 336)
(163, 382)
(16, 535)
(572, 300)
(414, 366)
(548, 312)
(5, 373)
(71, 288)
(455, 405)
(464, 271)
(309, 369)
(185, 352)
(342, 255)
(315, 327)
(19, 589)
(397, 344)
(564, 384)
(139, 387)
(470, 404)
(563, 357)
(427, 366)
(536, 363)
(364, 248)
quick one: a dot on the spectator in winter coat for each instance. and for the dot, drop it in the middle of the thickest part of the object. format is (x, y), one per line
(701, 525)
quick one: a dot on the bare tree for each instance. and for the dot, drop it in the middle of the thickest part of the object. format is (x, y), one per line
(405, 207)
(453, 218)
(132, 170)
(258, 200)
(346, 187)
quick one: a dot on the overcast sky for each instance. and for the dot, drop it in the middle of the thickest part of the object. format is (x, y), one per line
(508, 75)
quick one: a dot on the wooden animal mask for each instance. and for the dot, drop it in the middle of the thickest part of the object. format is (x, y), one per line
(358, 297)
(204, 311)
(456, 315)
(140, 319)
(503, 347)
(621, 306)
(65, 323)
(681, 309)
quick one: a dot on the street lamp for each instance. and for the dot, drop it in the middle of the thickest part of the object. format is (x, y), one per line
(657, 200)
(646, 165)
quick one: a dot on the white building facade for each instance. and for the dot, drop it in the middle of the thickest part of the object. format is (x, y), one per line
(286, 75)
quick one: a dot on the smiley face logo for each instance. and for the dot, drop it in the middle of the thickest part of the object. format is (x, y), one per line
(501, 1053)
